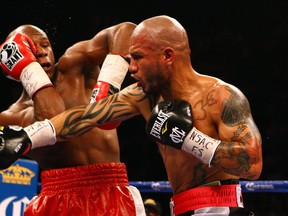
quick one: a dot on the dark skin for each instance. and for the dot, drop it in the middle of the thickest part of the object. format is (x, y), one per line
(161, 64)
(73, 78)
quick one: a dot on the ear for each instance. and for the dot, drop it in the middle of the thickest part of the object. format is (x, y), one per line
(169, 55)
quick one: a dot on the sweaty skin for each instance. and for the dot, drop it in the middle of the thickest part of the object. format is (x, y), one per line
(73, 78)
(161, 64)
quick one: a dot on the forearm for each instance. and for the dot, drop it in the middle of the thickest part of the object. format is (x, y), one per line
(71, 123)
(238, 159)
(79, 120)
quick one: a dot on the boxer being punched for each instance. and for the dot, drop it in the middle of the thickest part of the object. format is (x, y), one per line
(203, 125)
(83, 175)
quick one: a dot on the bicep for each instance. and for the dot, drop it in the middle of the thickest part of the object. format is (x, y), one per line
(84, 57)
(236, 118)
(91, 51)
(239, 131)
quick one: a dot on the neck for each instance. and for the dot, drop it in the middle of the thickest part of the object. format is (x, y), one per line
(181, 82)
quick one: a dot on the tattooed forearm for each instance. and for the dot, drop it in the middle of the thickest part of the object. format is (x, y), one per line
(139, 95)
(72, 125)
(232, 157)
(117, 107)
(80, 119)
(107, 110)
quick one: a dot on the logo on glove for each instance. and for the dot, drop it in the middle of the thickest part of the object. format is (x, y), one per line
(10, 55)
(177, 135)
(93, 95)
(158, 125)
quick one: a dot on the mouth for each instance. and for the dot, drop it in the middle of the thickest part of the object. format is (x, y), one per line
(139, 84)
(46, 67)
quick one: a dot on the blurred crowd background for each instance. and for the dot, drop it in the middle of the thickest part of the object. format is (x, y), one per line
(242, 42)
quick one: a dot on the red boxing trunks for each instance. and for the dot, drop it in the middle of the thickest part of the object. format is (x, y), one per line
(205, 197)
(98, 189)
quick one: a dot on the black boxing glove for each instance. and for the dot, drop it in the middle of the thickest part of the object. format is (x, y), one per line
(171, 123)
(16, 141)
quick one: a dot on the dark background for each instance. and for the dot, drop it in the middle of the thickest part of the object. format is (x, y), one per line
(242, 42)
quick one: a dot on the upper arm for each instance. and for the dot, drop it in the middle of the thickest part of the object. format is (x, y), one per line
(236, 118)
(84, 57)
(241, 147)
(114, 39)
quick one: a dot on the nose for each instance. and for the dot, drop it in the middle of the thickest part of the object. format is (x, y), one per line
(133, 67)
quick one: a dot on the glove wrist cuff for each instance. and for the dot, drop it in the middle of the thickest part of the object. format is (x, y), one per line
(41, 133)
(200, 145)
(33, 78)
(113, 70)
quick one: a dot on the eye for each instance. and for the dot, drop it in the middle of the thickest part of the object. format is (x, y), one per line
(45, 43)
(136, 57)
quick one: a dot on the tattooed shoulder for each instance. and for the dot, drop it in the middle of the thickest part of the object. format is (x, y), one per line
(235, 107)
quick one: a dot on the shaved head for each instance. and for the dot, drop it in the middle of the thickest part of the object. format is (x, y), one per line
(28, 30)
(163, 31)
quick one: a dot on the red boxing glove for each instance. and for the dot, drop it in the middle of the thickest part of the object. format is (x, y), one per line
(102, 90)
(19, 63)
(17, 53)
(111, 76)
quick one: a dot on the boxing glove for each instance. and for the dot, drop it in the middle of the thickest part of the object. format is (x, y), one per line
(171, 123)
(112, 74)
(16, 141)
(19, 63)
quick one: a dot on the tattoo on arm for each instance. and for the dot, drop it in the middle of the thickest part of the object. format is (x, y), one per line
(234, 157)
(82, 118)
(234, 154)
(236, 109)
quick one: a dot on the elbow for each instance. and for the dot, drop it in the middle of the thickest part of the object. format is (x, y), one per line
(255, 170)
